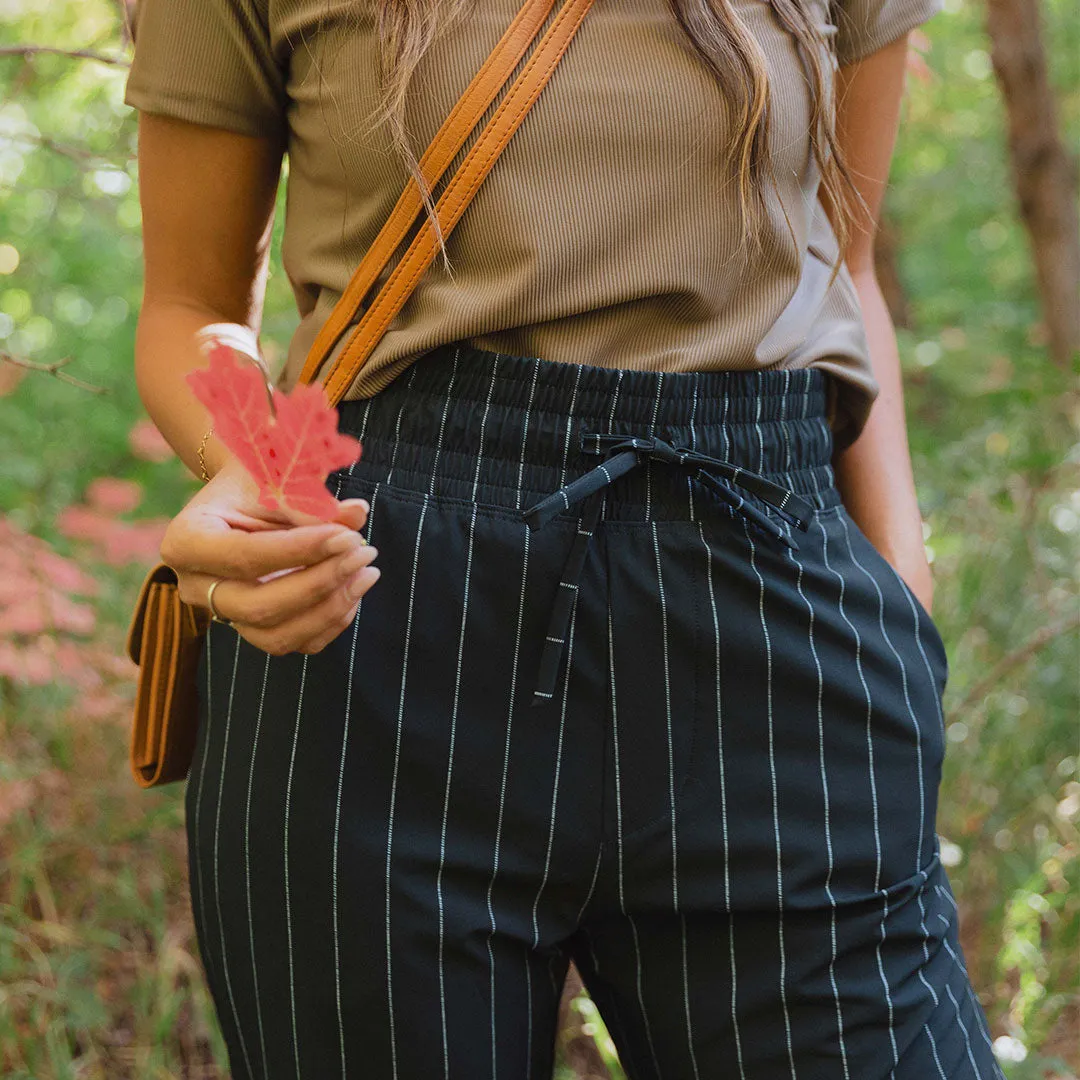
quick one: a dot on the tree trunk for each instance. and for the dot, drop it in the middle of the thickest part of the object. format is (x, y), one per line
(1044, 173)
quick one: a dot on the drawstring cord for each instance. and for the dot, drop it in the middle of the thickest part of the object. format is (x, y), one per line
(624, 453)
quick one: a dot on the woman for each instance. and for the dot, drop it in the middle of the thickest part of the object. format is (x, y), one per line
(649, 679)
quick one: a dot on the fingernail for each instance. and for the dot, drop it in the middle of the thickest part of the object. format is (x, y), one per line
(358, 559)
(364, 580)
(342, 542)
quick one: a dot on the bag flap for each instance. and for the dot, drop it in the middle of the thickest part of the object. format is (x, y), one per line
(146, 733)
(160, 573)
(189, 621)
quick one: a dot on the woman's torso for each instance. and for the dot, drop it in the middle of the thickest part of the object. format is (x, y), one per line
(608, 233)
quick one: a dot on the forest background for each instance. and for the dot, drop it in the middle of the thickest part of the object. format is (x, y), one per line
(99, 976)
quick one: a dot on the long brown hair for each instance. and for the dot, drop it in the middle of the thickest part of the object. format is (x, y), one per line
(407, 28)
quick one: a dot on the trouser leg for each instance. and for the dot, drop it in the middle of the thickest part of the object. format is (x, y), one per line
(388, 844)
(790, 916)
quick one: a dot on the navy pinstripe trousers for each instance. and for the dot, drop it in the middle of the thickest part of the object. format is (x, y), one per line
(696, 747)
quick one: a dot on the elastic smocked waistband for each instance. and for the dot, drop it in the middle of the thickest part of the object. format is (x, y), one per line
(641, 397)
(462, 419)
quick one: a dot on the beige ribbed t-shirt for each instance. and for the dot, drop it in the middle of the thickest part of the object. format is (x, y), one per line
(608, 233)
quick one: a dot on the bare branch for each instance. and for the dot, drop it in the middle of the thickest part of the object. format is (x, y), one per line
(55, 368)
(75, 54)
(1037, 641)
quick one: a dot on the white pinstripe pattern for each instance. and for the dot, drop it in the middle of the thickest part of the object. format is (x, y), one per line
(619, 846)
(569, 425)
(775, 795)
(915, 724)
(652, 431)
(397, 427)
(442, 423)
(200, 887)
(217, 838)
(919, 755)
(480, 444)
(922, 904)
(525, 432)
(613, 1017)
(337, 803)
(393, 785)
(923, 980)
(977, 1009)
(960, 1021)
(556, 788)
(558, 773)
(760, 434)
(671, 792)
(824, 785)
(723, 807)
(827, 822)
(724, 424)
(288, 898)
(247, 863)
(592, 885)
(610, 422)
(918, 640)
(446, 794)
(933, 1044)
(537, 364)
(693, 445)
(529, 1026)
(784, 428)
(870, 756)
(641, 994)
(933, 994)
(593, 958)
(669, 722)
(483, 424)
(959, 963)
(686, 999)
(360, 436)
(502, 790)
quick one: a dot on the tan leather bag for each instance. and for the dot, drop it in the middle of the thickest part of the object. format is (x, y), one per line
(166, 634)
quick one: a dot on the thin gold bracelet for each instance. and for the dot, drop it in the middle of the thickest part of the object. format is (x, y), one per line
(202, 454)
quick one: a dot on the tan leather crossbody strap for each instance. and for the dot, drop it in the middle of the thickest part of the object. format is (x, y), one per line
(456, 196)
(456, 128)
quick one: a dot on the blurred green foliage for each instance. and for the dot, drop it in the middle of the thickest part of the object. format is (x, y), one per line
(97, 976)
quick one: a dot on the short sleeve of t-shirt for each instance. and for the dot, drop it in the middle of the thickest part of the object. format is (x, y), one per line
(864, 26)
(208, 62)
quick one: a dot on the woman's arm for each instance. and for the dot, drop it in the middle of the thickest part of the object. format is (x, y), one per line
(208, 198)
(874, 474)
(208, 201)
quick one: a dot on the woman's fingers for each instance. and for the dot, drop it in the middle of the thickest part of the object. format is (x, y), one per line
(353, 513)
(313, 629)
(283, 597)
(289, 582)
(195, 543)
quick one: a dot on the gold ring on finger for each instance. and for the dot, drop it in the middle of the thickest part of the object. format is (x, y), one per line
(214, 614)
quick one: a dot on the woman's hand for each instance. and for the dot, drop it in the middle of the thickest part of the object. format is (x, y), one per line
(286, 587)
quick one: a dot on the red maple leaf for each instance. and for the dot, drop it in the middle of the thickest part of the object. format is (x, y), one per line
(289, 442)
